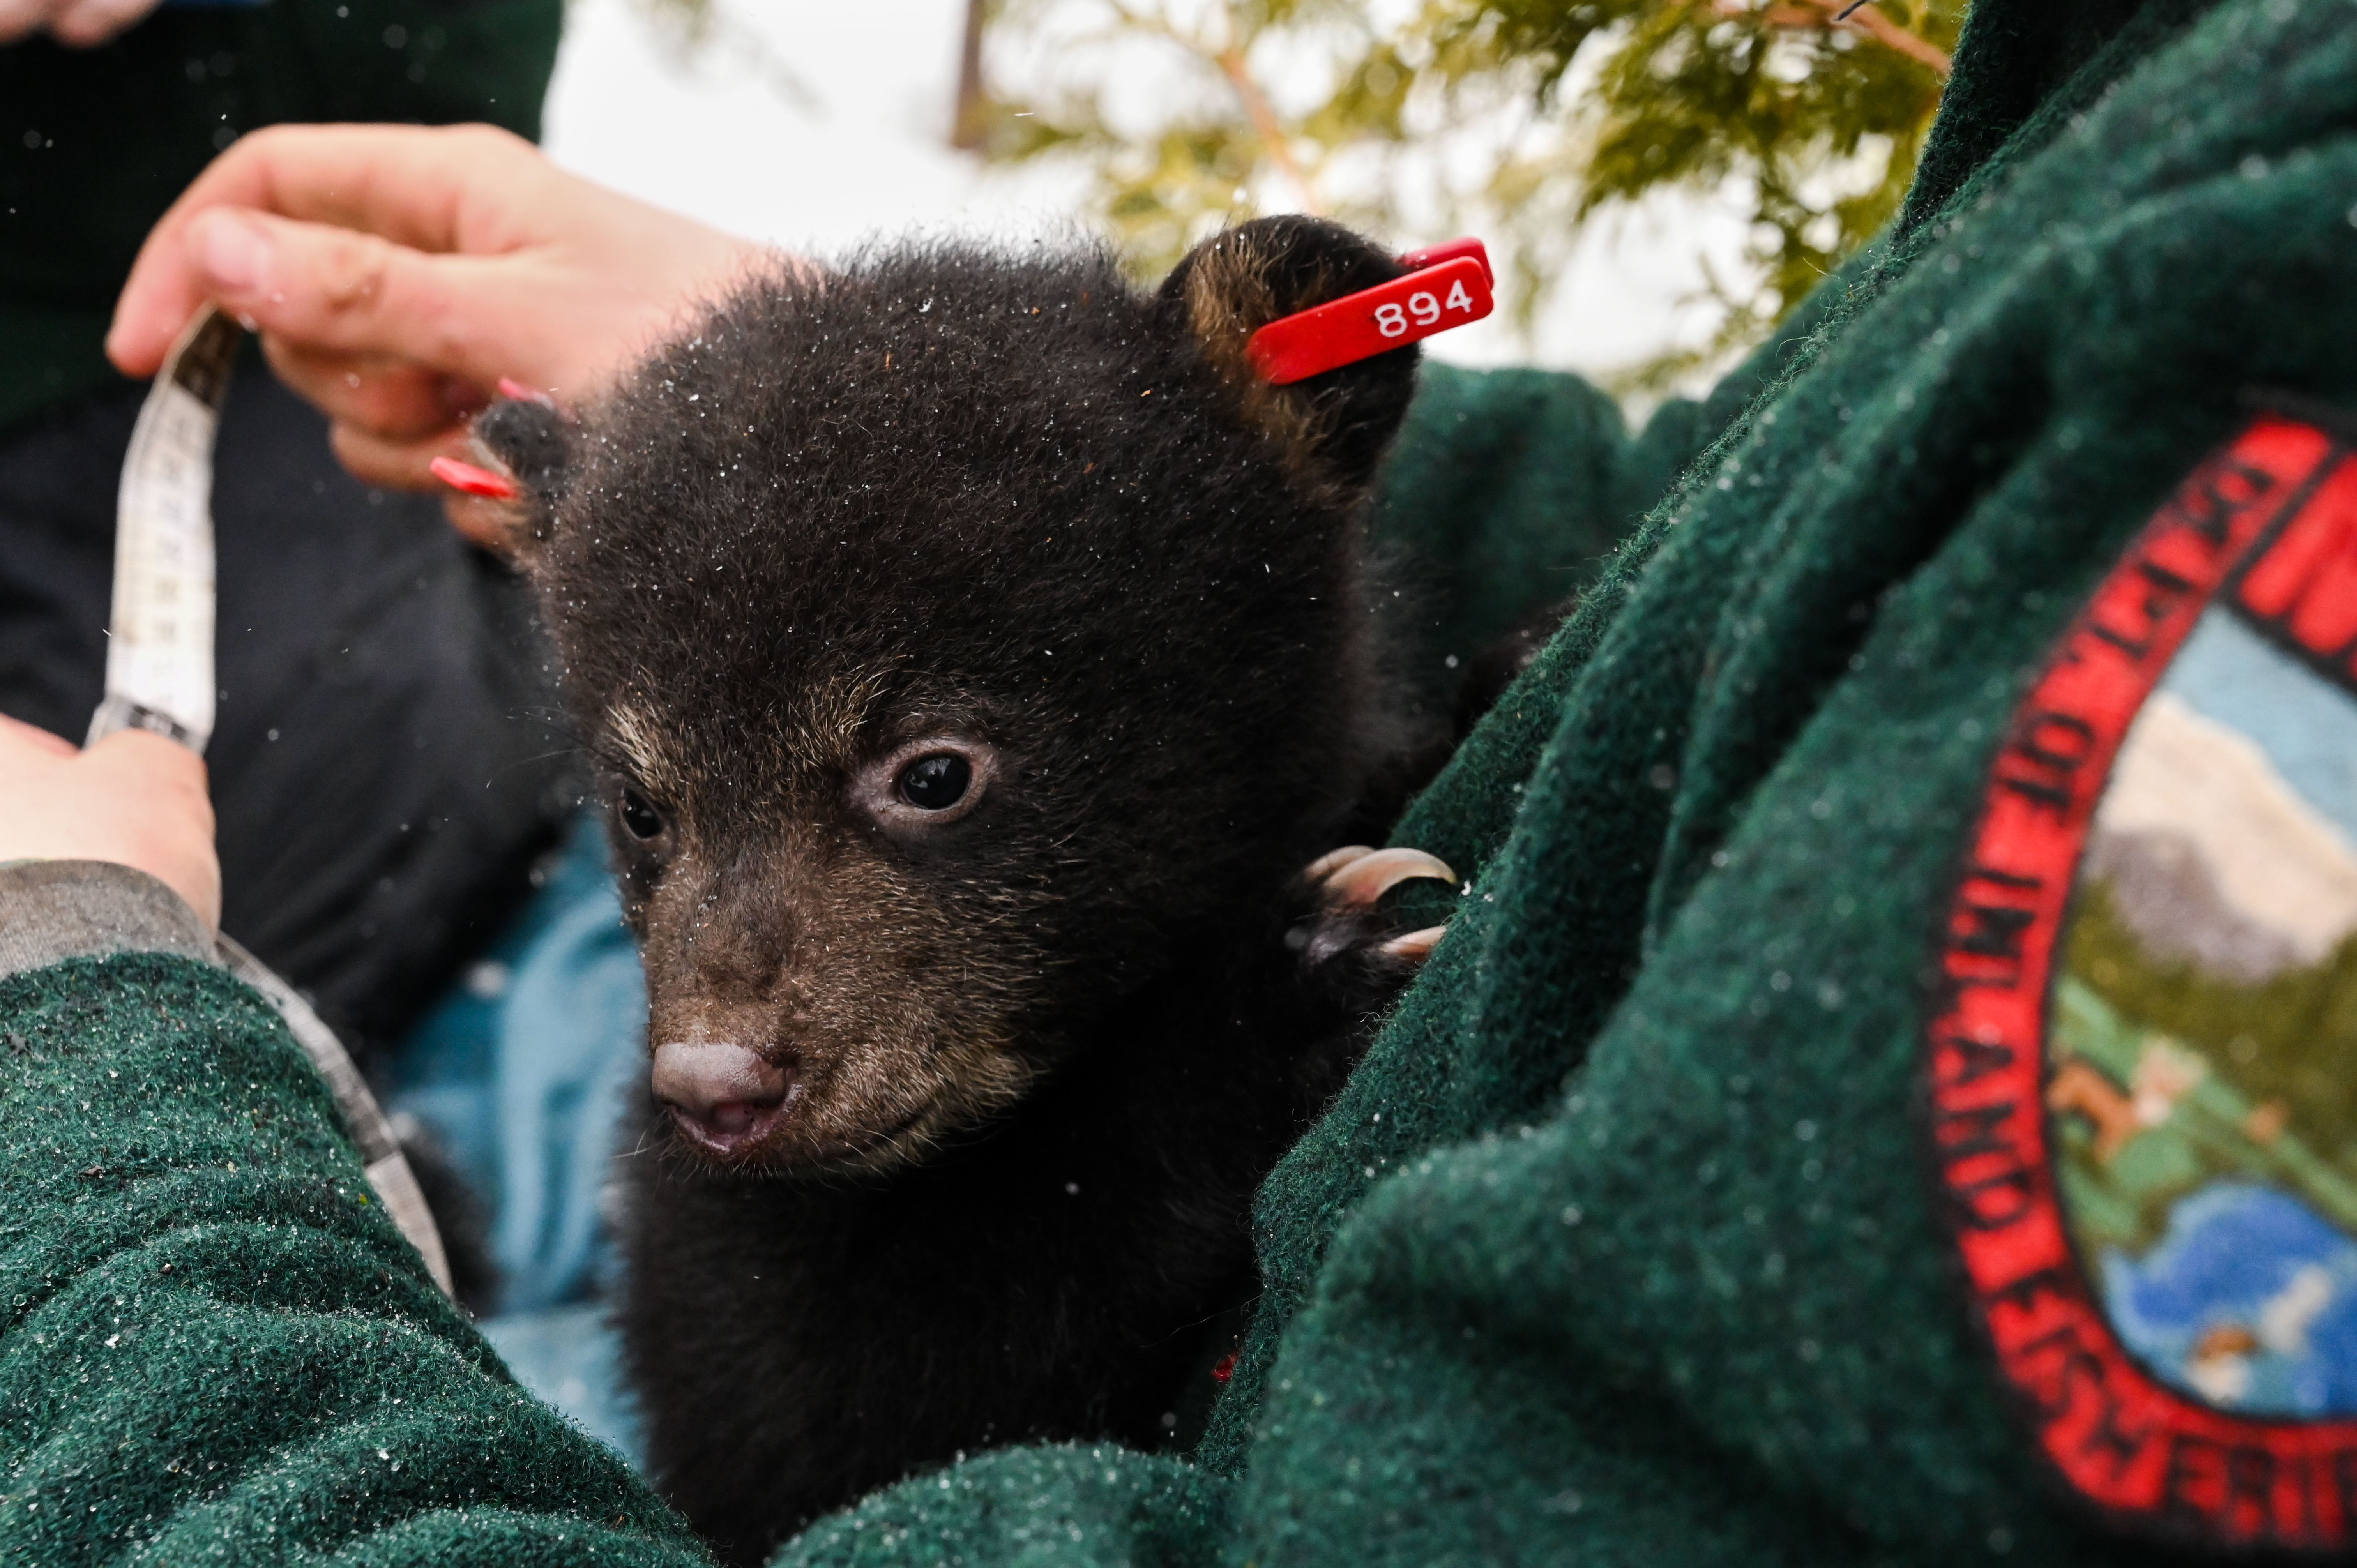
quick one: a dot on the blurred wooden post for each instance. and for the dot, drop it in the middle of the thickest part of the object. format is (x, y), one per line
(969, 128)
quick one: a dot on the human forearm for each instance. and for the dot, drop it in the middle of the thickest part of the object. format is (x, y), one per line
(210, 1331)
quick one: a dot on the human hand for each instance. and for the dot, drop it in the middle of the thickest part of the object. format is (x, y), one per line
(133, 799)
(397, 273)
(79, 24)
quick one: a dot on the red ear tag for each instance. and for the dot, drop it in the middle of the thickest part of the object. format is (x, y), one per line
(468, 479)
(1448, 251)
(1372, 321)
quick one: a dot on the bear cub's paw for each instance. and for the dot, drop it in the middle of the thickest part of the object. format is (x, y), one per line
(1352, 943)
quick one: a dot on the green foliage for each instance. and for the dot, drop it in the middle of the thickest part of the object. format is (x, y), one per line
(2286, 1040)
(1522, 120)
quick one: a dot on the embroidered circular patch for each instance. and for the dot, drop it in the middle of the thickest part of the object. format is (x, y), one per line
(2144, 1081)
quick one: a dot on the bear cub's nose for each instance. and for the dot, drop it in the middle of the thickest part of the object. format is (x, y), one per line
(723, 1096)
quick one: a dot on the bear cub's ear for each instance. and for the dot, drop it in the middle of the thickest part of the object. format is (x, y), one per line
(532, 444)
(1333, 427)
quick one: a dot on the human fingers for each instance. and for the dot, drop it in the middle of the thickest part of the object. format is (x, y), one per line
(133, 799)
(408, 465)
(85, 23)
(27, 753)
(337, 292)
(487, 524)
(432, 188)
(397, 465)
(22, 18)
(490, 260)
(490, 523)
(537, 315)
(152, 810)
(17, 733)
(390, 399)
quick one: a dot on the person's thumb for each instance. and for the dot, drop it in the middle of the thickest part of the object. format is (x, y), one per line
(147, 806)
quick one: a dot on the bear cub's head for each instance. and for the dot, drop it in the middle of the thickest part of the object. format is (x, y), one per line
(968, 642)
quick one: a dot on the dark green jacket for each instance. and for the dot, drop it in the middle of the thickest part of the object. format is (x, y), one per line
(94, 143)
(1658, 1227)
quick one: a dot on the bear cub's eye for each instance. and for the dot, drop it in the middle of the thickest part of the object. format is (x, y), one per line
(639, 819)
(925, 783)
(936, 783)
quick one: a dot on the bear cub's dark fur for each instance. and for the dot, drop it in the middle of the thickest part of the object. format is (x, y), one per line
(977, 652)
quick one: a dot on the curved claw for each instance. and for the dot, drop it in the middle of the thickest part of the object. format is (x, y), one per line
(1334, 860)
(1414, 947)
(1364, 878)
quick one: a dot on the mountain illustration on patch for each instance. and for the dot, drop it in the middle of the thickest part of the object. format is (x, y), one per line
(2203, 1080)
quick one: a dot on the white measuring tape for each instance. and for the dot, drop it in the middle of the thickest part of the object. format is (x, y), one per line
(160, 651)
(159, 677)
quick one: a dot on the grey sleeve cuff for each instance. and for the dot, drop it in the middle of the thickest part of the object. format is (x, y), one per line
(52, 910)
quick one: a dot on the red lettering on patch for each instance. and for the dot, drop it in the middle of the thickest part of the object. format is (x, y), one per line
(2270, 520)
(2303, 589)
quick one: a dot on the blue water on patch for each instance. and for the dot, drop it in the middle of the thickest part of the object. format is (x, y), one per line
(2232, 1250)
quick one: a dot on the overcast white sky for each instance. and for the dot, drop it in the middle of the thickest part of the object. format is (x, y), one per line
(717, 139)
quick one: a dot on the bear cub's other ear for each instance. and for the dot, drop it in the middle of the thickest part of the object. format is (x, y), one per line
(531, 443)
(1334, 428)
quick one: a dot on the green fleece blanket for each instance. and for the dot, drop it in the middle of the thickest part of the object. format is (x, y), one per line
(214, 1347)
(1620, 1248)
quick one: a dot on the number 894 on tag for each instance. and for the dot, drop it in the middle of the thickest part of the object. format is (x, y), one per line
(1372, 321)
(1391, 318)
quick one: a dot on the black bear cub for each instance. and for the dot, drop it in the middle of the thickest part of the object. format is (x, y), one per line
(977, 652)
